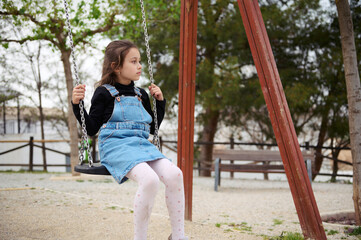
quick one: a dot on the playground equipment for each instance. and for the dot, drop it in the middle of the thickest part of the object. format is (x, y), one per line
(279, 113)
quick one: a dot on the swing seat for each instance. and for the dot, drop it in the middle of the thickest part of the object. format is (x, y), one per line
(96, 169)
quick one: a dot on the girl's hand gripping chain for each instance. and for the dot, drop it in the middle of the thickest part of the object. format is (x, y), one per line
(78, 93)
(156, 92)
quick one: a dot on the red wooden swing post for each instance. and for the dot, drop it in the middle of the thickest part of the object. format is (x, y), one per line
(272, 89)
(281, 120)
(187, 86)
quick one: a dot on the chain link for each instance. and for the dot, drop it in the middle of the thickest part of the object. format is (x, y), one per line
(84, 139)
(150, 69)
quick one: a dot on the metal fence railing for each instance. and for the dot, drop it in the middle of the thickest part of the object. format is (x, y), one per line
(31, 143)
(169, 144)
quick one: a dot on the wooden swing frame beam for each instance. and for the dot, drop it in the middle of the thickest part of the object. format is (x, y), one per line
(279, 113)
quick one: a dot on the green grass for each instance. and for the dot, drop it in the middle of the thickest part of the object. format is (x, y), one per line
(112, 208)
(356, 232)
(277, 222)
(286, 236)
(331, 232)
(107, 181)
(242, 227)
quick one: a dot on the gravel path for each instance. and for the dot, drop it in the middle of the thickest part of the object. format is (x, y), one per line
(58, 206)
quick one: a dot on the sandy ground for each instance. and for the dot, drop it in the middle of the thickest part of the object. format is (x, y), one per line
(58, 206)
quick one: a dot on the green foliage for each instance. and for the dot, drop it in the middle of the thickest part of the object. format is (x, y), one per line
(44, 20)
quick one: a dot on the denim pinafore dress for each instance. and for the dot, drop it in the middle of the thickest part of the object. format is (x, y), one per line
(123, 140)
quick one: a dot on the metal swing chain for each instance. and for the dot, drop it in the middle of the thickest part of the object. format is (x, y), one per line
(81, 105)
(84, 138)
(150, 69)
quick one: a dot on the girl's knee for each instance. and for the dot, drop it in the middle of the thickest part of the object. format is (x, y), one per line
(175, 176)
(151, 181)
(178, 173)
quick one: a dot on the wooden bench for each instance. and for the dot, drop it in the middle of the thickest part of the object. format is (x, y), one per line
(257, 161)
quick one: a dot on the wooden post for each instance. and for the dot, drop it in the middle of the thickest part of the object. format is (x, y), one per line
(31, 154)
(282, 124)
(187, 74)
(232, 147)
(67, 162)
(4, 116)
(307, 145)
(18, 107)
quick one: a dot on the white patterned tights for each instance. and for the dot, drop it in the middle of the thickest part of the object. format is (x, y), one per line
(147, 175)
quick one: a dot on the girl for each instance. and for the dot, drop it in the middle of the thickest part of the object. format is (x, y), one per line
(123, 114)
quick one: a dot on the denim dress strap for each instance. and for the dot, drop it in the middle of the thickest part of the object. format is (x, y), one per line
(112, 90)
(137, 91)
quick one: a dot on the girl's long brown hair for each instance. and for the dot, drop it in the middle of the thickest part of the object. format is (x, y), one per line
(115, 52)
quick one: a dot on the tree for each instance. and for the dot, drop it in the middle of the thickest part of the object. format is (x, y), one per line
(35, 68)
(330, 98)
(28, 75)
(290, 27)
(43, 21)
(353, 95)
(308, 56)
(230, 95)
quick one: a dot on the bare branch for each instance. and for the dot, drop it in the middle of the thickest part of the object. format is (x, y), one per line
(18, 13)
(29, 38)
(14, 40)
(21, 41)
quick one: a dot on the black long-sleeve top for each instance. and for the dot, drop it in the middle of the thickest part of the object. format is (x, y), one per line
(102, 105)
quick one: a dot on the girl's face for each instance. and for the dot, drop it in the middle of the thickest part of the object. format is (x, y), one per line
(131, 69)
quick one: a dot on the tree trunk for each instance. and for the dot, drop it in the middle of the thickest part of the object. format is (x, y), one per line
(320, 142)
(39, 85)
(335, 153)
(353, 97)
(209, 130)
(42, 126)
(72, 124)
